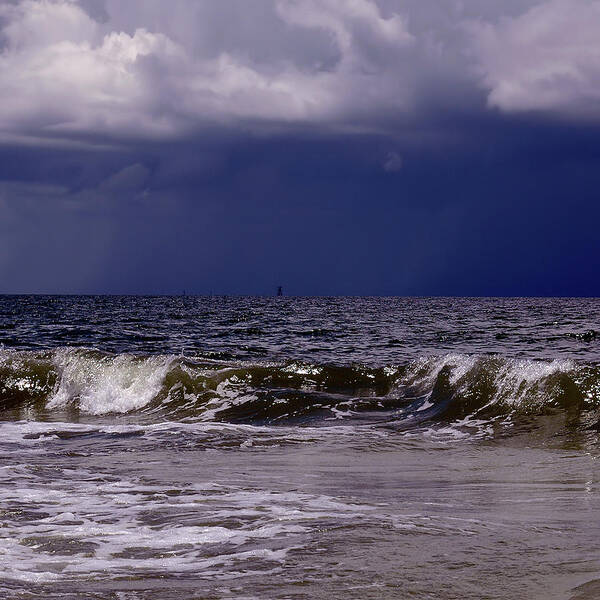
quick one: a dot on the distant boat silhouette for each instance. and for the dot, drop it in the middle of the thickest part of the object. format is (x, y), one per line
(280, 291)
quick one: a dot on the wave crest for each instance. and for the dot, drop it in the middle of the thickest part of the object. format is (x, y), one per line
(433, 388)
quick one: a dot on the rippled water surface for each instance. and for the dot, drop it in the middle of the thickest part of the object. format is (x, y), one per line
(186, 447)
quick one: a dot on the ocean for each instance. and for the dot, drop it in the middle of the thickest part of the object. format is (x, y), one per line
(255, 447)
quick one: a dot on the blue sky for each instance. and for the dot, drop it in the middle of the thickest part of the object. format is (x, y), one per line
(332, 147)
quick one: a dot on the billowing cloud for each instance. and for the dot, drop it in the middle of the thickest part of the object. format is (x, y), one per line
(76, 70)
(63, 73)
(546, 59)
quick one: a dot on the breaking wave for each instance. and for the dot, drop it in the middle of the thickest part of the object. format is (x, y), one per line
(76, 382)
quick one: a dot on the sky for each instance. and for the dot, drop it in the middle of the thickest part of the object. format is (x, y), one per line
(360, 147)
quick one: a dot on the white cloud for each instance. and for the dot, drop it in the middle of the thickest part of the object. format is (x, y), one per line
(72, 85)
(39, 23)
(349, 22)
(153, 69)
(546, 59)
(64, 74)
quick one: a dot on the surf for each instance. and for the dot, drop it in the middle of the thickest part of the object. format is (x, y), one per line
(435, 388)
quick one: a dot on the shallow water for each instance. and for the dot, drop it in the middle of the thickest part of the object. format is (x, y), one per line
(148, 456)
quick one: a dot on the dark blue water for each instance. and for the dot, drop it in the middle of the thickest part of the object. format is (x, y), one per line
(373, 331)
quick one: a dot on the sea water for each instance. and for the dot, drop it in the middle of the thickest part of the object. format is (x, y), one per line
(221, 447)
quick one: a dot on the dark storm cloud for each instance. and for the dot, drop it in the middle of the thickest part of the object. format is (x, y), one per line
(162, 70)
(379, 147)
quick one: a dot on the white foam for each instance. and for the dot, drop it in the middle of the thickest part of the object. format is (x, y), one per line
(516, 382)
(107, 384)
(424, 371)
(35, 437)
(108, 523)
(515, 379)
